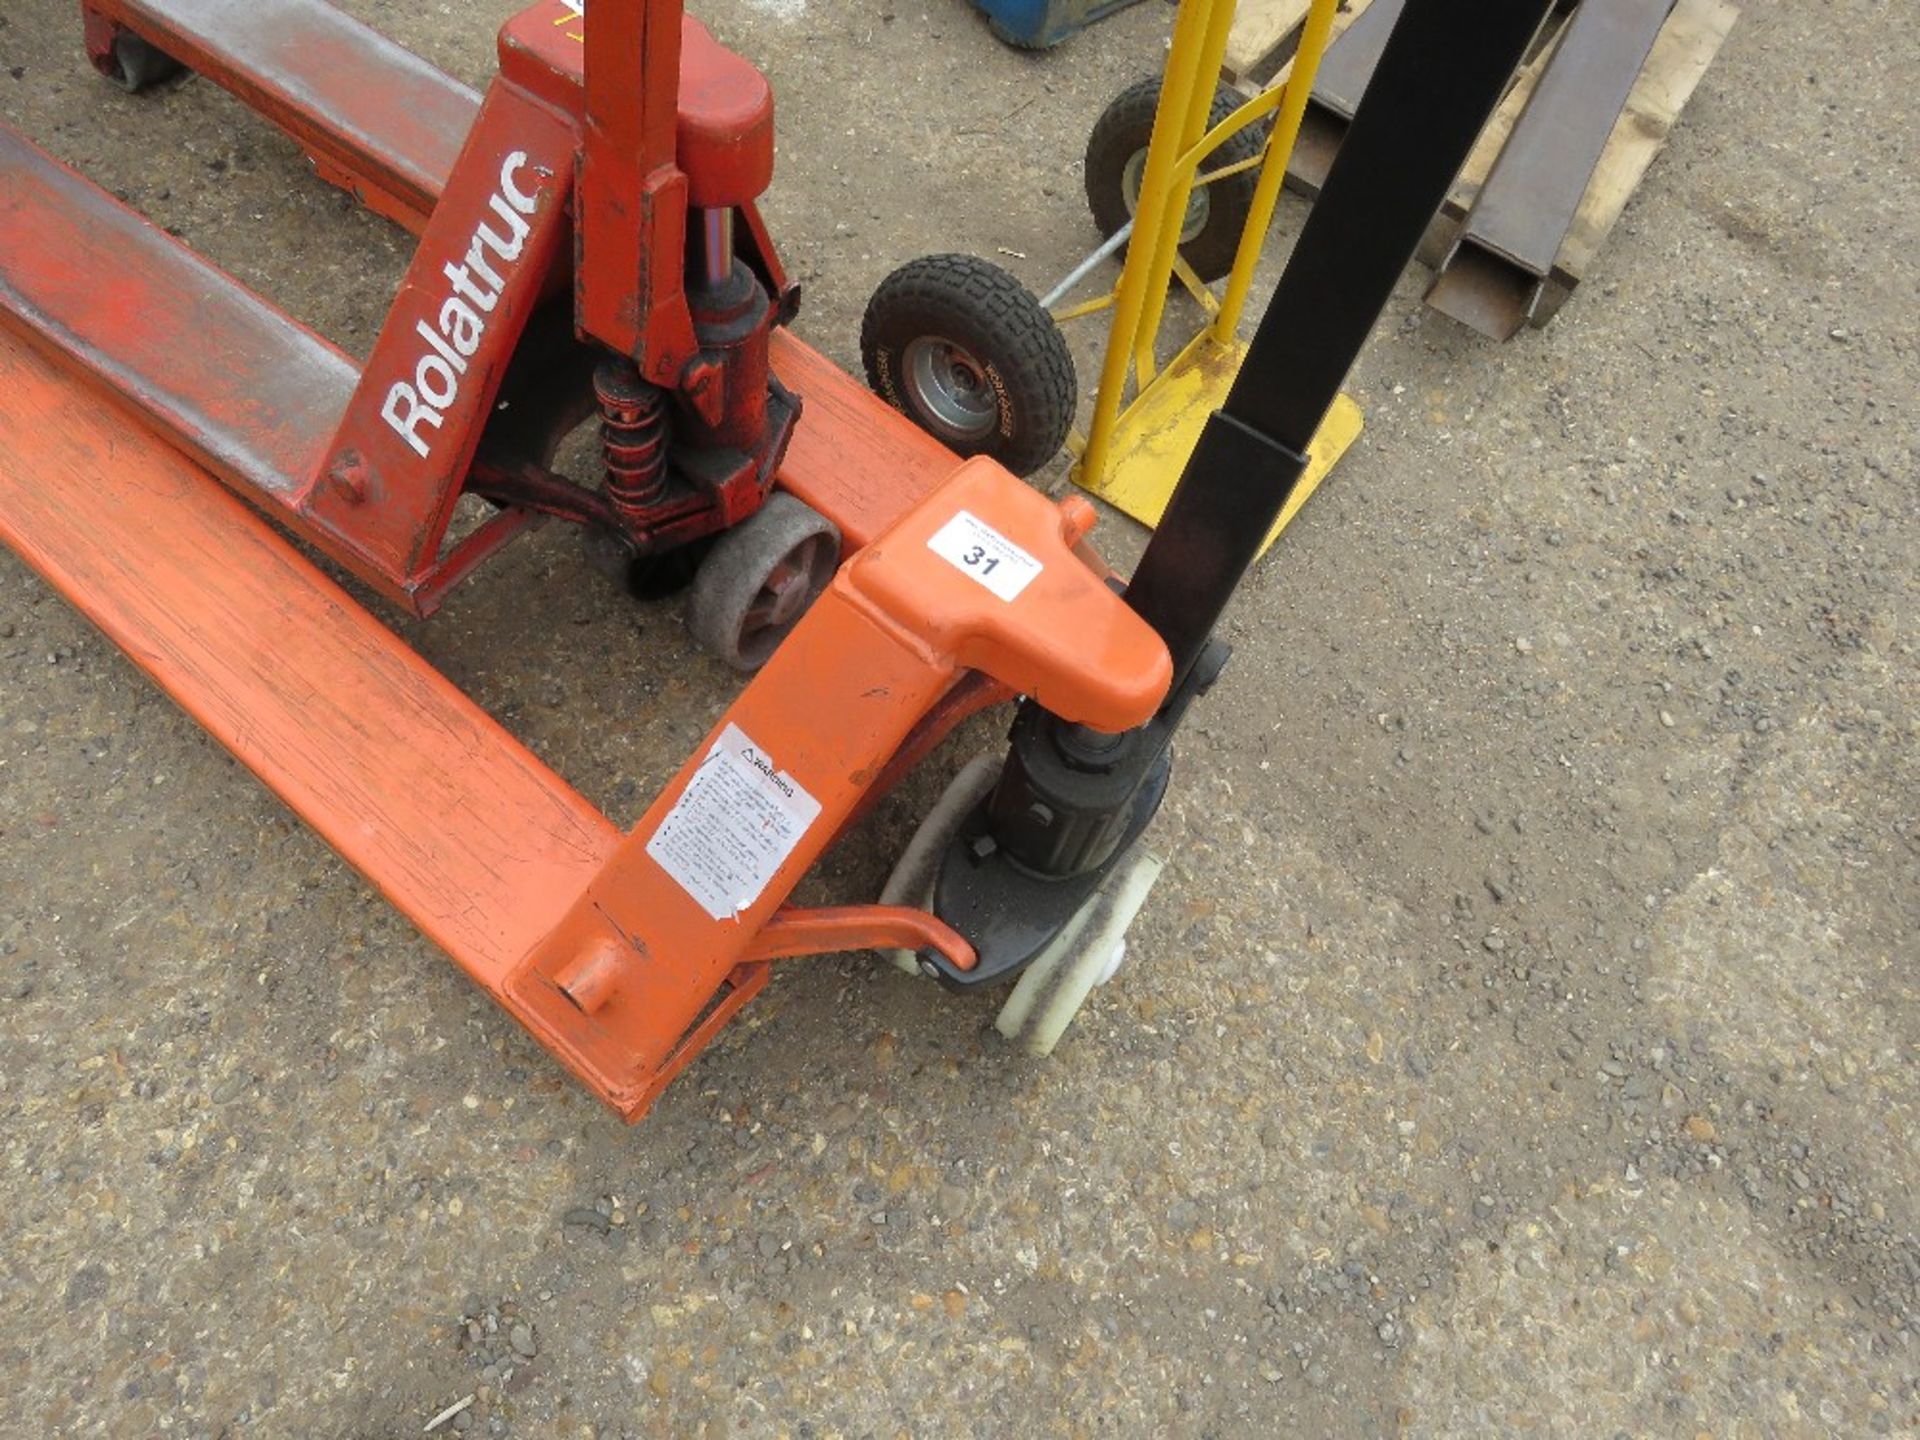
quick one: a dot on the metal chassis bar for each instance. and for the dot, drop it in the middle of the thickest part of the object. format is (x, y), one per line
(1438, 79)
(1337, 92)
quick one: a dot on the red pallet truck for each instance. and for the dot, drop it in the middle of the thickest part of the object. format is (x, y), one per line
(589, 245)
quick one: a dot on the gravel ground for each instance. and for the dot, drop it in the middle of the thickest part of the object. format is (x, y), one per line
(1520, 1041)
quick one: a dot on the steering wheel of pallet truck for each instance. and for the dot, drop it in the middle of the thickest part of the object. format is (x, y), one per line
(759, 578)
(965, 352)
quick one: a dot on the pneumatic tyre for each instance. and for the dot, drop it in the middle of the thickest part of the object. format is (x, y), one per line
(965, 351)
(1216, 213)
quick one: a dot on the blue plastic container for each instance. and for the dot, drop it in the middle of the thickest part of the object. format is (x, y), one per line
(1039, 24)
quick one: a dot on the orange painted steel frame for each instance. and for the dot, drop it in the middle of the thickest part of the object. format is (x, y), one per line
(600, 948)
(569, 182)
(611, 950)
(877, 651)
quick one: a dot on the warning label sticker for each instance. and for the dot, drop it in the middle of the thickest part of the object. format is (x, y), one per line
(733, 826)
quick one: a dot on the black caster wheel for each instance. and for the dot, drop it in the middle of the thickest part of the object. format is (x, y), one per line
(759, 579)
(137, 65)
(644, 577)
(965, 351)
(1216, 213)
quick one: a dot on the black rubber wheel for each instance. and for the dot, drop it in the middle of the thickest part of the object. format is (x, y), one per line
(644, 577)
(138, 65)
(1216, 213)
(964, 351)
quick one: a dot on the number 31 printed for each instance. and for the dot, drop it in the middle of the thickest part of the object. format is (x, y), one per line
(977, 556)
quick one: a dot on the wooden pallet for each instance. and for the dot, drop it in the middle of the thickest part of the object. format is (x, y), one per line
(1263, 35)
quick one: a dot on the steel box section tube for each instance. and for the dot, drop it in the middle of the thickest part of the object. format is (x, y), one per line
(1439, 78)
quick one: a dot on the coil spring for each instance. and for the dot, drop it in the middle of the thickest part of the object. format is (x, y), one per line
(633, 438)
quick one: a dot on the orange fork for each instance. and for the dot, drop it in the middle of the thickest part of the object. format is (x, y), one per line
(623, 955)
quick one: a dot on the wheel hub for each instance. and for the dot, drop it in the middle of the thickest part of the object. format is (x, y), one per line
(951, 387)
(786, 592)
(1199, 206)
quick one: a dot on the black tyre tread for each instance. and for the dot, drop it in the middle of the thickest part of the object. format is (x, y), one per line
(1126, 125)
(979, 305)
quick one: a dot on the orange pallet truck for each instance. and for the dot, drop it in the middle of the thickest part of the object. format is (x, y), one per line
(590, 247)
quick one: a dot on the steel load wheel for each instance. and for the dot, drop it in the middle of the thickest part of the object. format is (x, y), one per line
(137, 65)
(965, 351)
(1216, 213)
(759, 579)
(1085, 955)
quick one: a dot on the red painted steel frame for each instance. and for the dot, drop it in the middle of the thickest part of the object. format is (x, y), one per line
(633, 198)
(390, 133)
(569, 183)
(597, 943)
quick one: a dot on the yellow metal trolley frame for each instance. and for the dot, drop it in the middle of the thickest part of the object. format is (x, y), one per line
(1133, 452)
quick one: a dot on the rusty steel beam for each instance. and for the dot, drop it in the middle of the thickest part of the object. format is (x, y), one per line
(1337, 87)
(1497, 272)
